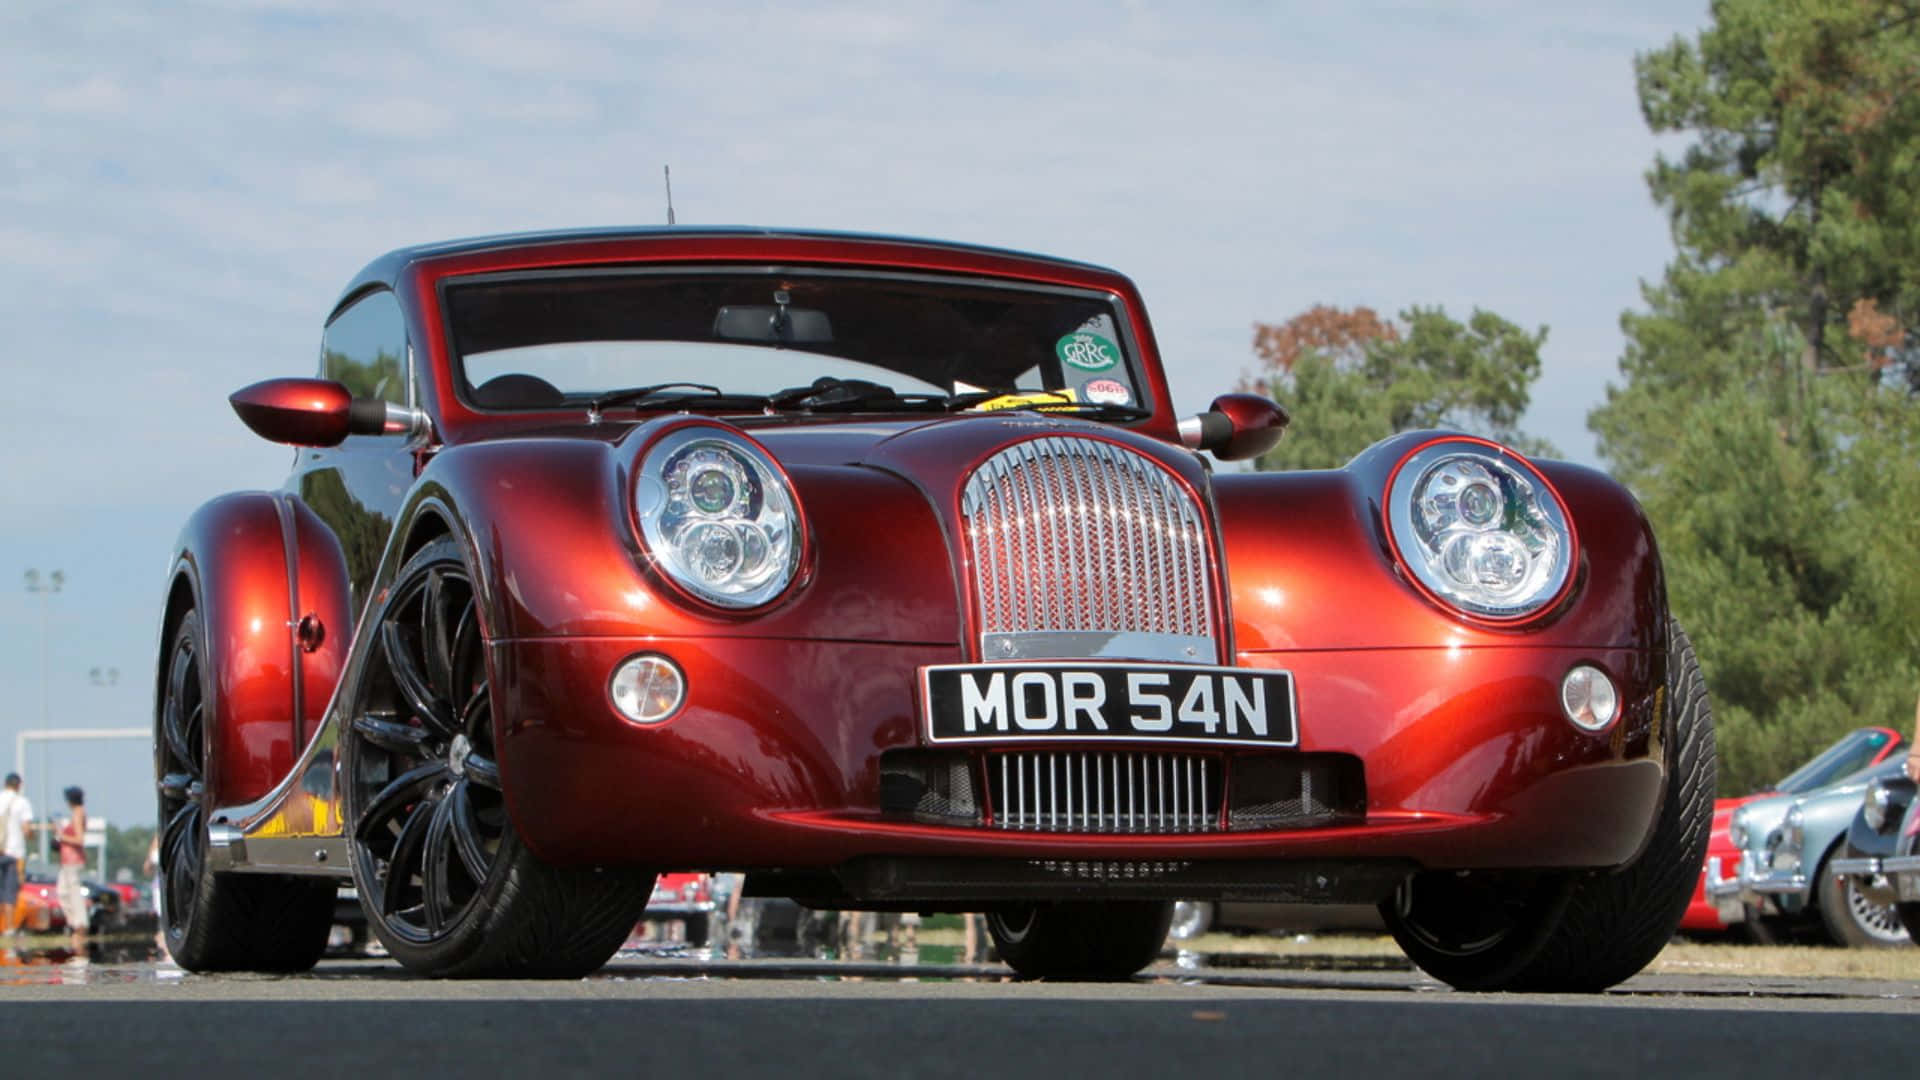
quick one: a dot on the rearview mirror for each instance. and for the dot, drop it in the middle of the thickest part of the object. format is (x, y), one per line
(777, 323)
(1237, 427)
(315, 412)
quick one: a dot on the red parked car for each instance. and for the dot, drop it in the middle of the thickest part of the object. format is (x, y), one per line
(885, 572)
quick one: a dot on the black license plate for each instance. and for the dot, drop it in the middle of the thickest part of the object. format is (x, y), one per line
(1094, 700)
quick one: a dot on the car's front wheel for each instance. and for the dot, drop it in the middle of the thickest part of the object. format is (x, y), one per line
(1577, 932)
(1081, 939)
(1855, 919)
(446, 883)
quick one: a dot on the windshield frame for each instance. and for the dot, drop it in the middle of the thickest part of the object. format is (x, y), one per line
(1137, 370)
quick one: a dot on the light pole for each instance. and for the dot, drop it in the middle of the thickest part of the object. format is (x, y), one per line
(46, 588)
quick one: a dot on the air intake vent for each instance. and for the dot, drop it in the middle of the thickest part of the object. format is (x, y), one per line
(1105, 791)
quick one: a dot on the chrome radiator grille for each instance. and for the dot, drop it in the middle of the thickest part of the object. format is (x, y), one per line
(1079, 537)
(1099, 791)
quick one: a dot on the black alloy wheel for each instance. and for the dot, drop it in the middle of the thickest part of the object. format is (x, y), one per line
(211, 921)
(431, 828)
(444, 879)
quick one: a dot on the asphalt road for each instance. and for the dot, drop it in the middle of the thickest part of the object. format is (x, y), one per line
(684, 1016)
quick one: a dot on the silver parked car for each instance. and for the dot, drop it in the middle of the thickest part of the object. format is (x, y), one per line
(1786, 843)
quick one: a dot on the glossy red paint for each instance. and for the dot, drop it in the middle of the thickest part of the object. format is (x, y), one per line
(303, 412)
(1258, 424)
(776, 757)
(774, 760)
(234, 551)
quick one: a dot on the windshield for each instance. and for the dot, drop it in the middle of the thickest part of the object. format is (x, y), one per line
(1855, 751)
(547, 340)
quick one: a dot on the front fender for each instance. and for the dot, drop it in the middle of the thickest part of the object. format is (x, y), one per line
(548, 528)
(233, 556)
(1308, 565)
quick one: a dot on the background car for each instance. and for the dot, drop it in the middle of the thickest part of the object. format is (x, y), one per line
(684, 898)
(106, 909)
(1716, 903)
(1881, 856)
(1784, 873)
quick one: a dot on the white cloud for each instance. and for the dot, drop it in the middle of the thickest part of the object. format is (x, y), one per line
(98, 94)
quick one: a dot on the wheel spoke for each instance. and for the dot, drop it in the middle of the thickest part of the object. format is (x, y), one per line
(467, 653)
(482, 771)
(172, 720)
(392, 736)
(435, 897)
(412, 682)
(476, 713)
(180, 857)
(406, 850)
(466, 833)
(435, 642)
(405, 790)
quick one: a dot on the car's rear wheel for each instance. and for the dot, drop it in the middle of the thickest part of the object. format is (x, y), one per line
(1080, 940)
(1560, 932)
(213, 921)
(446, 883)
(1853, 918)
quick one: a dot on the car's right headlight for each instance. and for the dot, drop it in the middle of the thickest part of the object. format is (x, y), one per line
(1737, 829)
(718, 516)
(1480, 529)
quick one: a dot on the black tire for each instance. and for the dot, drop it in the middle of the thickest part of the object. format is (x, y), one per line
(211, 921)
(1580, 932)
(1191, 918)
(1080, 940)
(1909, 915)
(446, 884)
(1853, 919)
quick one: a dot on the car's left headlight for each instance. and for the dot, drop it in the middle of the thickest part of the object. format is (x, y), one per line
(718, 516)
(1480, 529)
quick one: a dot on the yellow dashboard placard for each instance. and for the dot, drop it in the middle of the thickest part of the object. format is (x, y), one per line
(1039, 399)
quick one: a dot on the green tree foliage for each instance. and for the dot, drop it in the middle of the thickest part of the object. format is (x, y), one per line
(127, 850)
(1768, 420)
(1351, 378)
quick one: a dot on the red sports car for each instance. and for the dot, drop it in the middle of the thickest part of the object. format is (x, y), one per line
(884, 572)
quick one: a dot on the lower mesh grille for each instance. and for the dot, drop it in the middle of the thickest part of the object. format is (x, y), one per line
(1105, 791)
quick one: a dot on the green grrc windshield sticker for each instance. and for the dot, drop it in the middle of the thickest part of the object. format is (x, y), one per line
(1088, 352)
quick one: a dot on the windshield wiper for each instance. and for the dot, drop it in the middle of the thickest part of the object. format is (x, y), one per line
(830, 394)
(669, 395)
(1092, 410)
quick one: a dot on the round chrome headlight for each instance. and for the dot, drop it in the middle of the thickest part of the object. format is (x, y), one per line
(1877, 806)
(1480, 529)
(718, 516)
(1737, 828)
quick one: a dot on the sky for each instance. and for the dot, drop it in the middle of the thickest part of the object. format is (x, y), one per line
(185, 189)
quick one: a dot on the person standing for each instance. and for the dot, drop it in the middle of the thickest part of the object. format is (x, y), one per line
(73, 863)
(16, 813)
